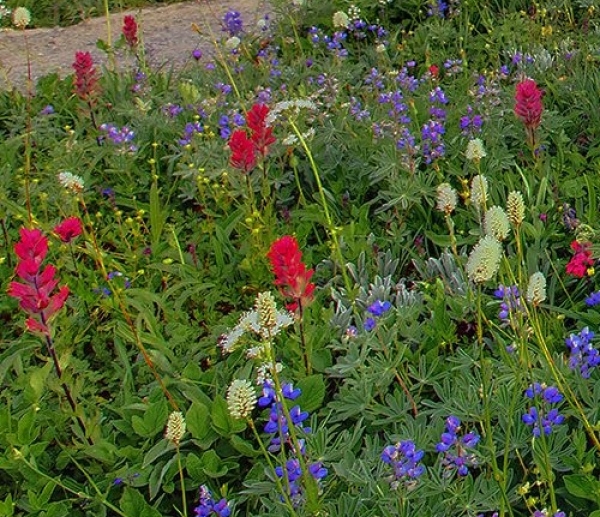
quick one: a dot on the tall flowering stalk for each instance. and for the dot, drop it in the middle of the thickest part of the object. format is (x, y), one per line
(40, 296)
(130, 31)
(529, 107)
(85, 81)
(293, 279)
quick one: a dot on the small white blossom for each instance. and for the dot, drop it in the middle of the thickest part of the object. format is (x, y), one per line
(341, 20)
(175, 427)
(536, 289)
(241, 399)
(475, 151)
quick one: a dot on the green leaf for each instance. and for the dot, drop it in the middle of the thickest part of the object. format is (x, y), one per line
(7, 507)
(57, 509)
(157, 451)
(27, 431)
(133, 504)
(198, 420)
(193, 465)
(220, 419)
(244, 447)
(313, 392)
(212, 465)
(153, 421)
(584, 486)
(158, 476)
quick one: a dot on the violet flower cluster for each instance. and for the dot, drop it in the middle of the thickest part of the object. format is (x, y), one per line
(405, 459)
(121, 137)
(511, 302)
(546, 417)
(233, 23)
(376, 310)
(457, 450)
(432, 132)
(208, 507)
(584, 356)
(279, 429)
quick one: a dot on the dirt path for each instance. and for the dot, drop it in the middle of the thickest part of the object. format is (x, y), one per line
(167, 34)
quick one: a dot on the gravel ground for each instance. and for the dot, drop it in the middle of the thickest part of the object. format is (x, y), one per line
(168, 35)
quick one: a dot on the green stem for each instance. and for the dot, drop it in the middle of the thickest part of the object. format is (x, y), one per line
(330, 226)
(110, 50)
(80, 495)
(182, 482)
(267, 455)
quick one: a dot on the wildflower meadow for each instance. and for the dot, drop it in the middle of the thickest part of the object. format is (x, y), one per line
(342, 263)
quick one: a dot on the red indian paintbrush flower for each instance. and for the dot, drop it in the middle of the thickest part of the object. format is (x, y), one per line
(291, 274)
(85, 82)
(130, 30)
(528, 103)
(243, 156)
(69, 229)
(581, 261)
(36, 293)
(262, 135)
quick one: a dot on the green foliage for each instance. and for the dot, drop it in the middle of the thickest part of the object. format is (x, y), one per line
(402, 336)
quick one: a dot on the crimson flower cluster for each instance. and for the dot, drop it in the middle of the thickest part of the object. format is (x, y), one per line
(245, 149)
(36, 291)
(528, 103)
(130, 30)
(69, 229)
(291, 274)
(581, 261)
(85, 81)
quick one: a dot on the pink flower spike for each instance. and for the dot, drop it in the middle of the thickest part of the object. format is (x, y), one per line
(290, 273)
(33, 245)
(69, 229)
(528, 103)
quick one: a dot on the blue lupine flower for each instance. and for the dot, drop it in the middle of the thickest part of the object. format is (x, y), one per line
(457, 457)
(511, 302)
(593, 299)
(583, 354)
(120, 137)
(379, 308)
(405, 459)
(207, 506)
(232, 23)
(543, 417)
(369, 324)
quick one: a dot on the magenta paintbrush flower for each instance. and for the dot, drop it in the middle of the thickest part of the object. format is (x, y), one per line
(37, 292)
(528, 103)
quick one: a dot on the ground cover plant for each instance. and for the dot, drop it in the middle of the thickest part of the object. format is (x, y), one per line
(343, 265)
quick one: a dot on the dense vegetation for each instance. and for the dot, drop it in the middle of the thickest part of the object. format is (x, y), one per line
(342, 265)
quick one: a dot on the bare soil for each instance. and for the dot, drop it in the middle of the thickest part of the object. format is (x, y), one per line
(169, 36)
